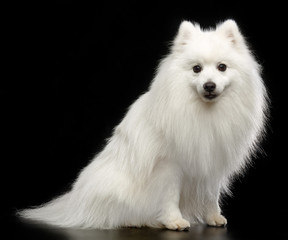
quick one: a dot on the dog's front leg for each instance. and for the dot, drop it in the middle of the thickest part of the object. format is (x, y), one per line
(213, 216)
(170, 216)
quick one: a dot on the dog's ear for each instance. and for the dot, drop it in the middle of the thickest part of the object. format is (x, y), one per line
(184, 35)
(231, 31)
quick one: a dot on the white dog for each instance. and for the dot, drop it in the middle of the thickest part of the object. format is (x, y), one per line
(179, 145)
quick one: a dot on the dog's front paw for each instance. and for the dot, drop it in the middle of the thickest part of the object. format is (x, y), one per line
(216, 220)
(178, 224)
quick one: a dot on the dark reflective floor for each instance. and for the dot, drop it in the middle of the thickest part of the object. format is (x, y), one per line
(25, 230)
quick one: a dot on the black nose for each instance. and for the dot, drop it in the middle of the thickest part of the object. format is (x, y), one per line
(209, 86)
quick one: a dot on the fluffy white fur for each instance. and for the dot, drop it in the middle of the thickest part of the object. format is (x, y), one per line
(175, 152)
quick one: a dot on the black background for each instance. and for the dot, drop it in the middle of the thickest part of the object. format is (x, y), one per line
(71, 73)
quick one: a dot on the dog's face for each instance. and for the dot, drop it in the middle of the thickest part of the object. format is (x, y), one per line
(209, 58)
(210, 78)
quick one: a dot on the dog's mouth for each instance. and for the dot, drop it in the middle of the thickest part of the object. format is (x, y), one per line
(210, 95)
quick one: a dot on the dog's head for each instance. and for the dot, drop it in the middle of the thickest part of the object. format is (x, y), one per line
(213, 59)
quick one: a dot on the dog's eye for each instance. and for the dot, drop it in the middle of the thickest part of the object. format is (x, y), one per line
(222, 67)
(197, 68)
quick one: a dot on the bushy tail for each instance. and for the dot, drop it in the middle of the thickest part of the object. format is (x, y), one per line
(54, 212)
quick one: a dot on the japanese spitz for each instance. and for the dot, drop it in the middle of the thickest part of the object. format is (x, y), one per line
(177, 149)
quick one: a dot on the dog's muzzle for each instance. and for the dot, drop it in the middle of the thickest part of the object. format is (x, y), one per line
(209, 90)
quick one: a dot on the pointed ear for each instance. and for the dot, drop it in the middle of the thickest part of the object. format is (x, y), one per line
(185, 34)
(230, 30)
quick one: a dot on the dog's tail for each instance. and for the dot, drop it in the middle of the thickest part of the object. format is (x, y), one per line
(55, 212)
